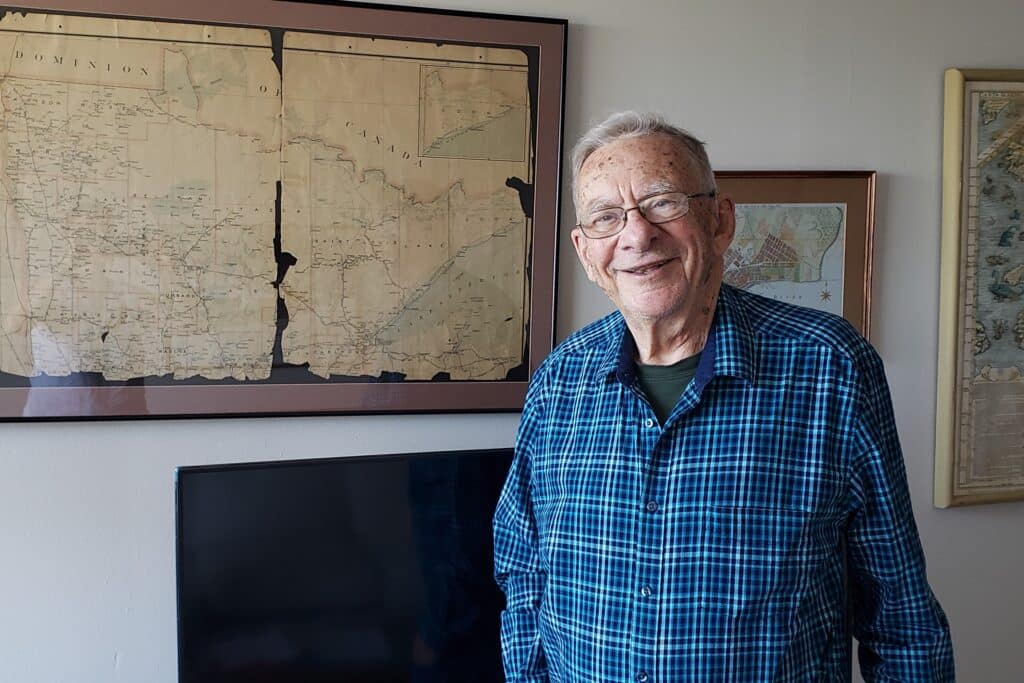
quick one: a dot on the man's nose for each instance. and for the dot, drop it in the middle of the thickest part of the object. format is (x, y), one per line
(638, 231)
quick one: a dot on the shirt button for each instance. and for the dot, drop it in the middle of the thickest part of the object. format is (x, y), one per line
(646, 591)
(652, 506)
(642, 677)
(648, 423)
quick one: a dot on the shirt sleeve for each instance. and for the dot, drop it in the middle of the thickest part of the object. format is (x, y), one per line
(517, 562)
(902, 630)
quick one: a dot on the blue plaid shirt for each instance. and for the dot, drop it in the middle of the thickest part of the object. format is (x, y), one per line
(715, 547)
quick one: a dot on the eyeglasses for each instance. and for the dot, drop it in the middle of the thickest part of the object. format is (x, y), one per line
(661, 208)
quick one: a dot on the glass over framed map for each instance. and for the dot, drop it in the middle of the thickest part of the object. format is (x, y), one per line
(260, 207)
(979, 421)
(804, 238)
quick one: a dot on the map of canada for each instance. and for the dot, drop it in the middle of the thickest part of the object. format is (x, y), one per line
(790, 252)
(129, 247)
(144, 232)
(408, 263)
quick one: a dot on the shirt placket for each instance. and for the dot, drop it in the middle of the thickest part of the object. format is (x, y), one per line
(650, 510)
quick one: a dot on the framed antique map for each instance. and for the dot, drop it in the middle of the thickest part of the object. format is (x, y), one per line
(979, 421)
(804, 238)
(261, 207)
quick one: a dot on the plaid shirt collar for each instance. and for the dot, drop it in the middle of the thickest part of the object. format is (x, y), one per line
(729, 349)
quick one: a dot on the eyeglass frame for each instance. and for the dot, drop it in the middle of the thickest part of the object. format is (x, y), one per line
(625, 212)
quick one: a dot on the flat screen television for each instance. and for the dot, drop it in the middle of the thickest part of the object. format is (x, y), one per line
(375, 569)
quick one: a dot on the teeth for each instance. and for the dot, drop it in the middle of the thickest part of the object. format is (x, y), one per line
(647, 269)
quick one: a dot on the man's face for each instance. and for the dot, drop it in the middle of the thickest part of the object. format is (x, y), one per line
(652, 272)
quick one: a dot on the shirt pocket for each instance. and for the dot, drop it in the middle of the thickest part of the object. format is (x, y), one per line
(756, 560)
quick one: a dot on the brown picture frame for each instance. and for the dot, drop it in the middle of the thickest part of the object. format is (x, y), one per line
(542, 40)
(854, 189)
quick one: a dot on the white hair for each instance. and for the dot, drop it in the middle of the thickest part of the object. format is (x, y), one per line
(630, 124)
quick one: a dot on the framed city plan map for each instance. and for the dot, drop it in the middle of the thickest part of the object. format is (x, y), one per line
(261, 207)
(804, 238)
(979, 421)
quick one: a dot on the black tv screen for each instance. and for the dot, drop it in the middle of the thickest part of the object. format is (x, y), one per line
(373, 569)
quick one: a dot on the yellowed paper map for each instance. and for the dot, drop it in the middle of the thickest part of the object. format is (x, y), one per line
(138, 163)
(401, 166)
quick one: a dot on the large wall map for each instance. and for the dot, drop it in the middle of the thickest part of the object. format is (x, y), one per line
(992, 374)
(186, 201)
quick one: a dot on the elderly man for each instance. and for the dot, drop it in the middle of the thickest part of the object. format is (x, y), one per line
(705, 479)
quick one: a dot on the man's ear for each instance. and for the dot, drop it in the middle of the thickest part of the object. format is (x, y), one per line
(579, 240)
(725, 225)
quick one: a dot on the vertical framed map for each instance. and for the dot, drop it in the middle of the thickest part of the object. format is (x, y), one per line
(979, 421)
(267, 208)
(804, 238)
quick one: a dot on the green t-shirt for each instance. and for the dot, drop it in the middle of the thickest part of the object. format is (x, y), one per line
(664, 384)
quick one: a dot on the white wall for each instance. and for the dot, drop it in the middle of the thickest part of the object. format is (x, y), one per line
(86, 510)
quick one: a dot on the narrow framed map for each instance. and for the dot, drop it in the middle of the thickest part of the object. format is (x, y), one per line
(268, 208)
(979, 420)
(804, 238)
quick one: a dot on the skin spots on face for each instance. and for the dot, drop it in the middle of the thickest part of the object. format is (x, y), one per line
(665, 161)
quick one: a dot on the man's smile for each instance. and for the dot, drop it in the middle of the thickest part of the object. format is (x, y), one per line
(645, 269)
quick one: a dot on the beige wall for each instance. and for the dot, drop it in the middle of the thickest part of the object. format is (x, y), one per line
(86, 510)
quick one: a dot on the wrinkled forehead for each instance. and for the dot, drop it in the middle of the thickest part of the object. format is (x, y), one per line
(644, 164)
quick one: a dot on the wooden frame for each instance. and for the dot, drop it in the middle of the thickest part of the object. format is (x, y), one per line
(527, 51)
(979, 419)
(766, 191)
